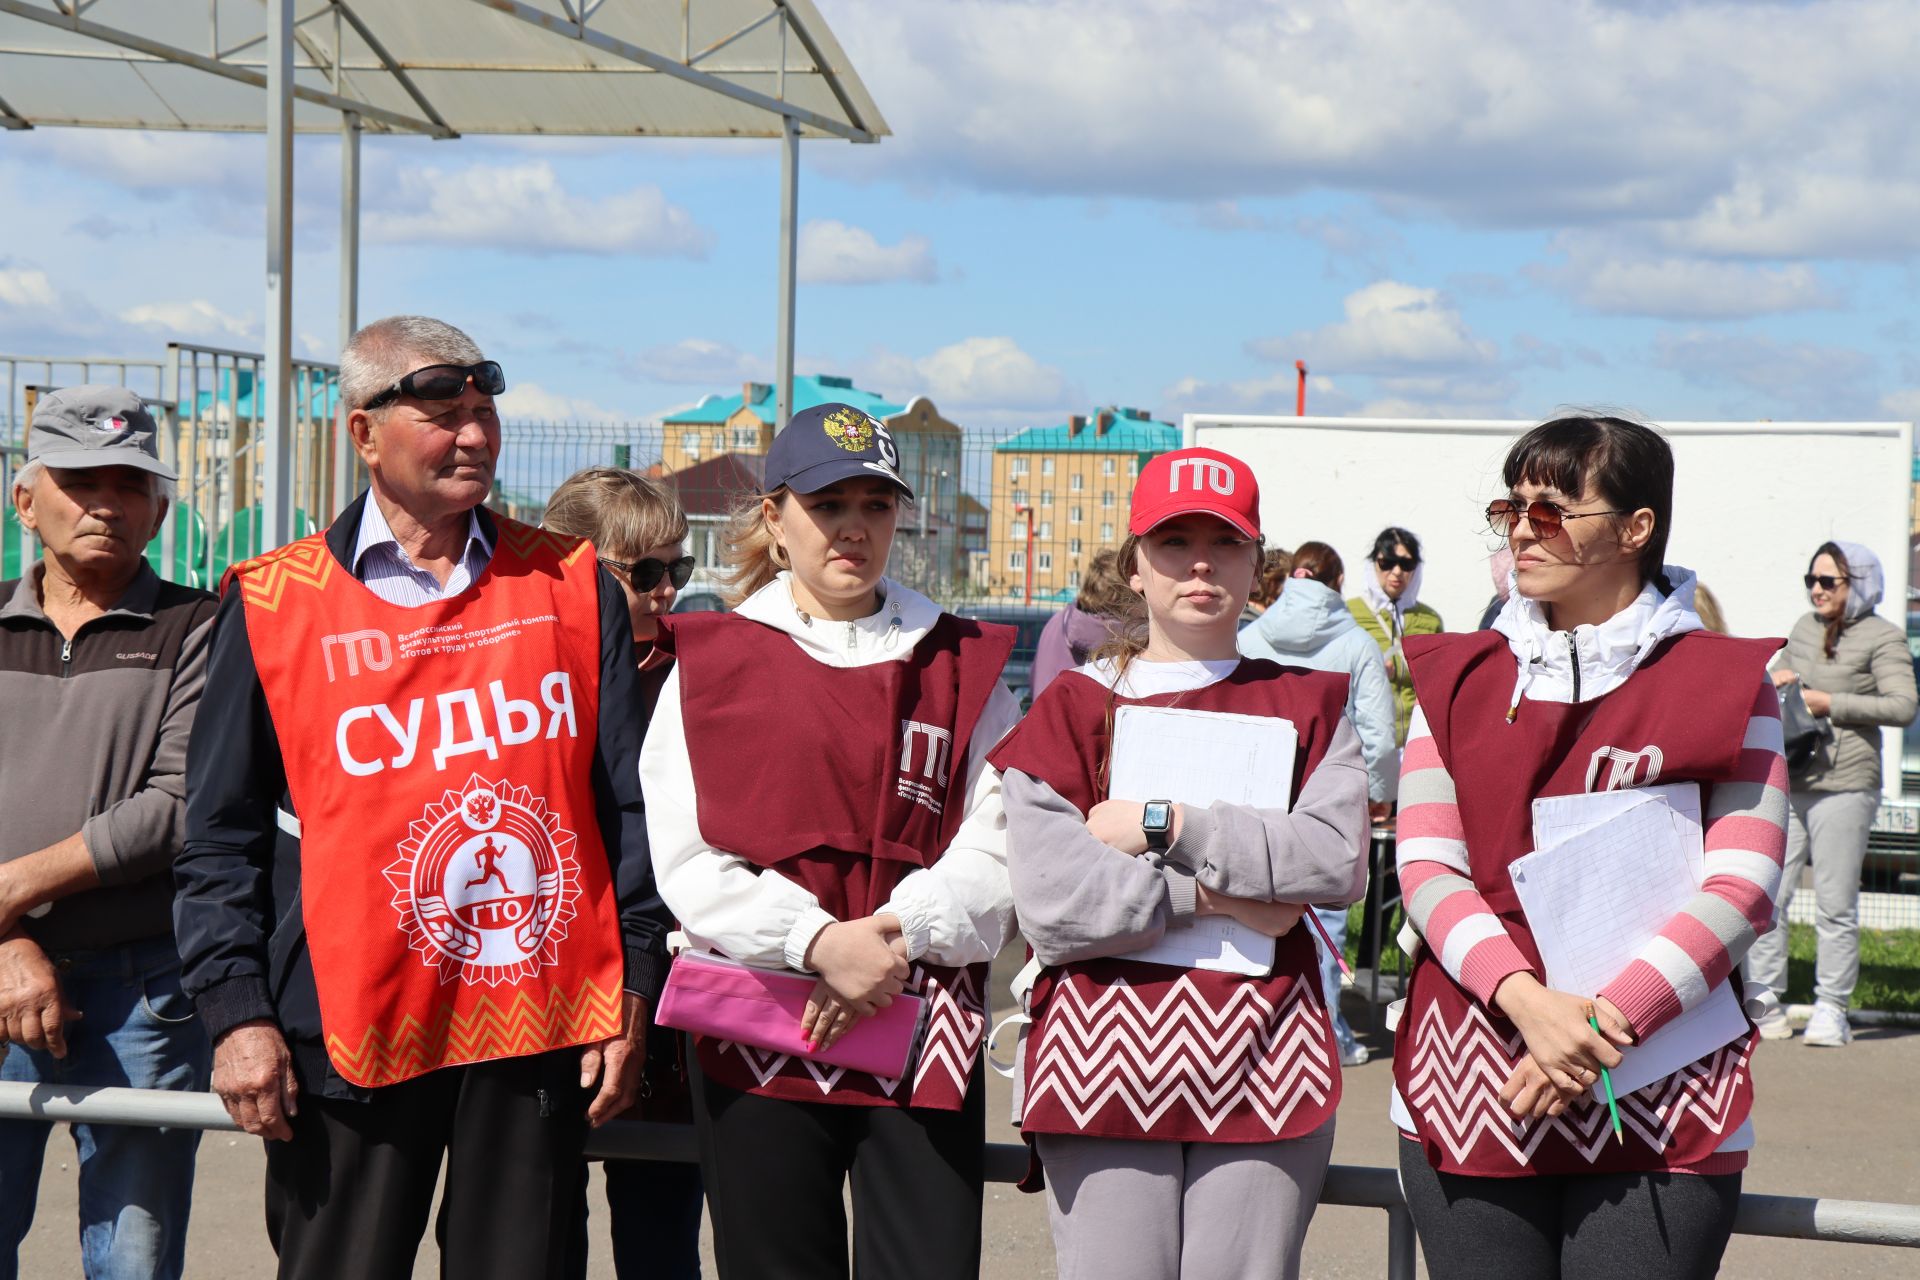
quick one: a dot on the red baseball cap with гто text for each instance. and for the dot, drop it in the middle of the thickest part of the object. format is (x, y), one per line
(1196, 482)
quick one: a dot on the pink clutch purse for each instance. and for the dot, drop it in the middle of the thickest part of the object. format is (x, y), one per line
(711, 995)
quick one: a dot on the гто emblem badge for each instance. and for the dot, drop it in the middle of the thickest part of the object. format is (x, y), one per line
(850, 429)
(485, 883)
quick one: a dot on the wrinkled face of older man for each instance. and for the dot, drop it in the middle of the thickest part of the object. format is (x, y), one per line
(96, 521)
(434, 457)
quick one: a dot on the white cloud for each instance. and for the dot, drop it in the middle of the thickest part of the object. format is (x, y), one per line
(1903, 404)
(1441, 396)
(530, 400)
(974, 371)
(1390, 327)
(696, 362)
(523, 208)
(1606, 275)
(1808, 378)
(1269, 395)
(833, 252)
(1740, 129)
(198, 318)
(26, 287)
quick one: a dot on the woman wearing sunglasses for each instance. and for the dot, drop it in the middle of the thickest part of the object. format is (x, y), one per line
(639, 532)
(1596, 676)
(1854, 669)
(1388, 608)
(819, 800)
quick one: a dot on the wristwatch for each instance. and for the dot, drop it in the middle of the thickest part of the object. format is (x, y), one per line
(1156, 820)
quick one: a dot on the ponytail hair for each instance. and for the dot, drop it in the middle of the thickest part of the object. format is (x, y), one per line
(1320, 562)
(754, 556)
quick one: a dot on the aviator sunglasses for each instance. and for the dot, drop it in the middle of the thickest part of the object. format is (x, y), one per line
(1406, 564)
(444, 382)
(1826, 580)
(1503, 514)
(645, 574)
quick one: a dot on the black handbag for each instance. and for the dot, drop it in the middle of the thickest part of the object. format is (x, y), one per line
(1804, 733)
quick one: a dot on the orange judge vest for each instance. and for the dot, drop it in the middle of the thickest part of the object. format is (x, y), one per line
(457, 898)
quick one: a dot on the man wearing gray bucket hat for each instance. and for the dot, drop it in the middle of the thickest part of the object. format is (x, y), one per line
(101, 668)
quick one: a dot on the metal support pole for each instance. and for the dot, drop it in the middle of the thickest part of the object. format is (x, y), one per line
(1401, 1247)
(783, 329)
(273, 402)
(343, 454)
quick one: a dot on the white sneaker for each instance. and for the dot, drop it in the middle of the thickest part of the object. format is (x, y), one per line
(1828, 1027)
(1354, 1056)
(1775, 1025)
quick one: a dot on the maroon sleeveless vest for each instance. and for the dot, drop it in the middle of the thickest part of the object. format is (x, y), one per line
(845, 780)
(1680, 717)
(1125, 1049)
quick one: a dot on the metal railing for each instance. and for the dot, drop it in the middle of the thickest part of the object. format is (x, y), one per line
(1367, 1187)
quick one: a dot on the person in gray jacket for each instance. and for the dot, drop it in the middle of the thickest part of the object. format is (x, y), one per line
(1854, 670)
(101, 669)
(1310, 626)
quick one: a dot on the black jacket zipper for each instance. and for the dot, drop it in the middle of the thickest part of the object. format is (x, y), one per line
(1573, 657)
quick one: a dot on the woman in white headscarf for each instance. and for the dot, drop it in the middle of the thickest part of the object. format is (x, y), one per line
(1388, 608)
(1854, 670)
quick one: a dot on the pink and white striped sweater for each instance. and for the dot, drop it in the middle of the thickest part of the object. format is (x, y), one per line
(1745, 844)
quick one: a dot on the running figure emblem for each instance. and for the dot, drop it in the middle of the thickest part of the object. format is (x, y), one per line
(485, 883)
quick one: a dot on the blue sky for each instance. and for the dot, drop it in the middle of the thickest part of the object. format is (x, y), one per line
(1456, 207)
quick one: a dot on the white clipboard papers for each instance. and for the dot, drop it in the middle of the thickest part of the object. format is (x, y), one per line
(1624, 864)
(1199, 758)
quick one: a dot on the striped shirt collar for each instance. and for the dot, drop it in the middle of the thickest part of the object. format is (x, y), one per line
(378, 556)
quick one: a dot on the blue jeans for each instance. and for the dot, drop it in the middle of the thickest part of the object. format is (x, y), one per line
(136, 1184)
(1336, 921)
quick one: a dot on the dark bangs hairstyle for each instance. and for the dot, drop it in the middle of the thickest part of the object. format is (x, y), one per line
(1393, 536)
(1629, 463)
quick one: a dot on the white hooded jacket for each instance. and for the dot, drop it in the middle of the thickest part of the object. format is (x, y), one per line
(1581, 664)
(958, 911)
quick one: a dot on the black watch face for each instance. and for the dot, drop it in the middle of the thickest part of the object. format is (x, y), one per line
(1157, 816)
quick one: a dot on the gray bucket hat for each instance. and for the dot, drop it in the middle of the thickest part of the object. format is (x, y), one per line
(79, 427)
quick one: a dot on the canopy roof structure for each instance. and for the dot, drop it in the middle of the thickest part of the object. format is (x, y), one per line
(437, 68)
(599, 68)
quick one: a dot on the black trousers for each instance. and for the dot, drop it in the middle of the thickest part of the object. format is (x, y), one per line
(1597, 1226)
(774, 1172)
(350, 1194)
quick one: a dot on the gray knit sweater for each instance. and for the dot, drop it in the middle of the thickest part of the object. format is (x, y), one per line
(1870, 678)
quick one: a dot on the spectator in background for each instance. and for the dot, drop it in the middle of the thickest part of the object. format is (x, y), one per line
(1707, 605)
(1853, 668)
(1388, 608)
(1274, 570)
(1095, 617)
(1500, 565)
(1310, 627)
(101, 667)
(639, 532)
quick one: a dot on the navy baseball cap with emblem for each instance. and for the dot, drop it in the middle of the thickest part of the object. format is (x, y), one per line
(830, 443)
(79, 427)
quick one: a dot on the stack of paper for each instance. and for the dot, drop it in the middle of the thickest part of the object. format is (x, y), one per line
(1609, 871)
(1201, 758)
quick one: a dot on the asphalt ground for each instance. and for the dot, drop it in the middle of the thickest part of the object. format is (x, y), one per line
(1837, 1123)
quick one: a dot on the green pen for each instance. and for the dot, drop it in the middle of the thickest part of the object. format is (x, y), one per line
(1606, 1078)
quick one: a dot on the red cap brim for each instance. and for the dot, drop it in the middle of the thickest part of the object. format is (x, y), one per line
(1147, 523)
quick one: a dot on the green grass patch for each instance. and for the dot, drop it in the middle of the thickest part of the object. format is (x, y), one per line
(1889, 965)
(1889, 968)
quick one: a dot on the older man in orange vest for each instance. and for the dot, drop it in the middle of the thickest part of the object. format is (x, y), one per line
(416, 908)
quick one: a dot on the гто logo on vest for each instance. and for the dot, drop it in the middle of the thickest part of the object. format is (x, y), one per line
(485, 883)
(1629, 768)
(372, 648)
(938, 759)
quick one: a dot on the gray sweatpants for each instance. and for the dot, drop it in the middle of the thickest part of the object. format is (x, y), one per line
(1828, 828)
(1134, 1210)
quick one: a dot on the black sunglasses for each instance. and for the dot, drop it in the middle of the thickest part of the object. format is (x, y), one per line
(444, 382)
(1826, 580)
(1406, 564)
(1504, 514)
(645, 573)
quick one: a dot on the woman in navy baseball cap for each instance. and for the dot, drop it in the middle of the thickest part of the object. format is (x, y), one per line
(819, 800)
